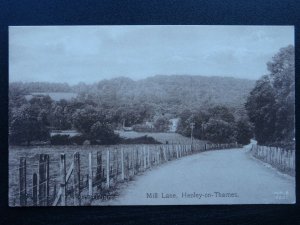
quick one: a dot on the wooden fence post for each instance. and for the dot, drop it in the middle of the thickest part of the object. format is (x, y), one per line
(44, 180)
(131, 162)
(149, 156)
(180, 152)
(284, 160)
(145, 158)
(22, 182)
(63, 179)
(122, 164)
(54, 191)
(292, 160)
(164, 152)
(131, 165)
(34, 189)
(107, 168)
(137, 160)
(277, 156)
(76, 179)
(90, 175)
(288, 160)
(99, 170)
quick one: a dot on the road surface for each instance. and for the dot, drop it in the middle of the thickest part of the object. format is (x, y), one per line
(215, 177)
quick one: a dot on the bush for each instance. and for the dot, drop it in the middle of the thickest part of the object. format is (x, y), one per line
(162, 124)
(67, 140)
(139, 140)
(78, 139)
(103, 134)
(220, 131)
(244, 132)
(60, 140)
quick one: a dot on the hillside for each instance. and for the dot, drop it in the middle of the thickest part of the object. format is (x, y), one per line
(197, 90)
(171, 93)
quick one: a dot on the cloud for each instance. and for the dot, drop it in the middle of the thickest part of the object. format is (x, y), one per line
(90, 53)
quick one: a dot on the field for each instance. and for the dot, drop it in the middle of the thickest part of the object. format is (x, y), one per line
(54, 152)
(32, 160)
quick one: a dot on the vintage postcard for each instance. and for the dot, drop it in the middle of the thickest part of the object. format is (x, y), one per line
(151, 115)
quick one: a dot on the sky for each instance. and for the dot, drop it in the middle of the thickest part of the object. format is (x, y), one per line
(89, 54)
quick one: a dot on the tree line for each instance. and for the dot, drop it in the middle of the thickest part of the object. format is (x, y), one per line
(31, 121)
(267, 116)
(266, 113)
(217, 124)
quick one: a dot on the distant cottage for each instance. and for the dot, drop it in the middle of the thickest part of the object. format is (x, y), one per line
(150, 124)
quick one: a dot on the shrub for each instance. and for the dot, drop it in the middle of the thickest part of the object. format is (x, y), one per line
(139, 140)
(162, 124)
(78, 139)
(102, 133)
(60, 140)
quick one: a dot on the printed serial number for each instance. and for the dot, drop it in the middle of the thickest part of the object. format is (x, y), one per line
(280, 195)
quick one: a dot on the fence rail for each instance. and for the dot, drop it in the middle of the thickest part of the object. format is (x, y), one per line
(282, 159)
(74, 181)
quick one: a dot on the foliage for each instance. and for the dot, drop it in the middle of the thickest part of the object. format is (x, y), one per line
(40, 87)
(60, 140)
(221, 113)
(139, 140)
(111, 102)
(77, 139)
(102, 133)
(67, 139)
(183, 126)
(85, 118)
(261, 110)
(220, 131)
(161, 124)
(154, 95)
(271, 104)
(28, 123)
(244, 131)
(216, 124)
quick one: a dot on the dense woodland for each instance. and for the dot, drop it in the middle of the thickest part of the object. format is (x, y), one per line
(215, 104)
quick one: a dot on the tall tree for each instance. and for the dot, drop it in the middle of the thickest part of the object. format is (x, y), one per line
(261, 110)
(282, 74)
(28, 124)
(271, 104)
(83, 119)
(243, 131)
(162, 124)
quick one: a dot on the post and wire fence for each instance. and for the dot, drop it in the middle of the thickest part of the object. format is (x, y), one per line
(280, 158)
(62, 181)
